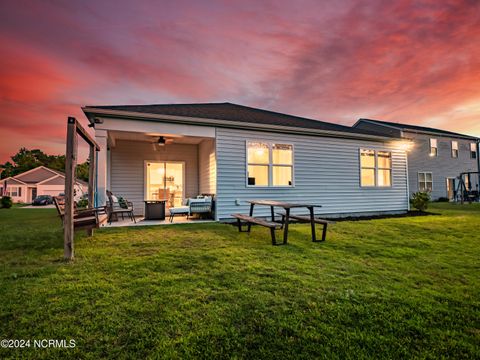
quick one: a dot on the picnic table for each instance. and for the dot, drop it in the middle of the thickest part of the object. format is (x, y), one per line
(286, 206)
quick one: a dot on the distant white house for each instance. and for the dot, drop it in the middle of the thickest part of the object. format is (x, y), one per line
(24, 187)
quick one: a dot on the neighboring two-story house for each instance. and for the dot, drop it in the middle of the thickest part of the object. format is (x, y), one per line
(436, 157)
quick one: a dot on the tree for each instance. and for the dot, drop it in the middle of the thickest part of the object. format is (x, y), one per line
(82, 171)
(25, 160)
(8, 169)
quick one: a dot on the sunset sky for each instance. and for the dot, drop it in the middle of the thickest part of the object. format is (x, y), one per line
(408, 61)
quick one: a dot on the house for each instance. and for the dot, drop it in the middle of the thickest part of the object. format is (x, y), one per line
(24, 187)
(240, 153)
(436, 158)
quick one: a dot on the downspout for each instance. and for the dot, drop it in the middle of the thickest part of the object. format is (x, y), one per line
(408, 180)
(96, 180)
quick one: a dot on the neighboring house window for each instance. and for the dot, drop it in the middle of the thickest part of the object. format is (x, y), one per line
(433, 147)
(14, 191)
(473, 150)
(425, 182)
(454, 149)
(375, 168)
(269, 164)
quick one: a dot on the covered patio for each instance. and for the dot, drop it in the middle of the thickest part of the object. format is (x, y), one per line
(172, 163)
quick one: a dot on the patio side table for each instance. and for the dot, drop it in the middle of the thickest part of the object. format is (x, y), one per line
(155, 209)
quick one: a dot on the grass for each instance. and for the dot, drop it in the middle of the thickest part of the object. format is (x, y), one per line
(389, 288)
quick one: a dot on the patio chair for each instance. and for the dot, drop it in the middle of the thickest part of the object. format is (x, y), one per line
(200, 205)
(114, 208)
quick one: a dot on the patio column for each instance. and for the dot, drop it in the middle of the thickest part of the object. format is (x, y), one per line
(101, 181)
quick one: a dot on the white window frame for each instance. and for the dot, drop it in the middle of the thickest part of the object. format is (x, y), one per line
(270, 165)
(473, 150)
(433, 154)
(375, 169)
(9, 191)
(425, 182)
(454, 149)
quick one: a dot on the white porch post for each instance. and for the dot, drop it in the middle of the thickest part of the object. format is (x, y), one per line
(101, 181)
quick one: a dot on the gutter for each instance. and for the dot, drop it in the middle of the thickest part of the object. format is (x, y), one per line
(91, 113)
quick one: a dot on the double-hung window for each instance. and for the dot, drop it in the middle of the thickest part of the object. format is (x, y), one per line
(454, 149)
(269, 164)
(433, 147)
(473, 150)
(375, 168)
(14, 191)
(425, 181)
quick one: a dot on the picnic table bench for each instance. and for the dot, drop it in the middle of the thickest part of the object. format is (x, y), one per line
(249, 220)
(273, 225)
(90, 218)
(307, 219)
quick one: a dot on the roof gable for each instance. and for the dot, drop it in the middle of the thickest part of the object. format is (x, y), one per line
(36, 175)
(11, 181)
(56, 180)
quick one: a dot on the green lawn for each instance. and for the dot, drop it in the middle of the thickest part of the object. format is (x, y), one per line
(391, 288)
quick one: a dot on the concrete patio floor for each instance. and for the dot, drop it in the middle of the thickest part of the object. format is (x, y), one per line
(142, 222)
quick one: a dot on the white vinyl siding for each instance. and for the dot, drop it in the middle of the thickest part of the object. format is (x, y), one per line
(326, 172)
(207, 167)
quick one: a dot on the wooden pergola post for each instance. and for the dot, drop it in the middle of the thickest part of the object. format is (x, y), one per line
(74, 129)
(70, 164)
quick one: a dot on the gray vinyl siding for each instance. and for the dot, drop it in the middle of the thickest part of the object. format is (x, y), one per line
(128, 169)
(326, 171)
(207, 167)
(442, 166)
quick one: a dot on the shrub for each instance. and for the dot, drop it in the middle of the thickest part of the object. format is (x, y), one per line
(443, 199)
(6, 202)
(82, 203)
(420, 200)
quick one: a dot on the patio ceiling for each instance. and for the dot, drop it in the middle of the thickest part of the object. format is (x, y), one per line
(151, 137)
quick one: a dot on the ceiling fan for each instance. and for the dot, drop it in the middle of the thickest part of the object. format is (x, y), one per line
(162, 141)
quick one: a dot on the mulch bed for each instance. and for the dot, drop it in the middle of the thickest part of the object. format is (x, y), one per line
(411, 213)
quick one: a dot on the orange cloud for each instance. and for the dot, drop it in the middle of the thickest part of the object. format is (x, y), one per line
(415, 62)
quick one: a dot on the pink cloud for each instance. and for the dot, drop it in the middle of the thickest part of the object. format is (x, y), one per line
(415, 62)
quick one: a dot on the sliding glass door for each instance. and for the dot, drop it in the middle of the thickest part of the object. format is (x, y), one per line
(165, 181)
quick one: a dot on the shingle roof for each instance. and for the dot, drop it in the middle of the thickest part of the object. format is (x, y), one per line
(407, 127)
(233, 112)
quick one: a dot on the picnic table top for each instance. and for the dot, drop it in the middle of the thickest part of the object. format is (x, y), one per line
(285, 205)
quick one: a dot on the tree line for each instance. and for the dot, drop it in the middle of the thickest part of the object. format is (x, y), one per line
(26, 159)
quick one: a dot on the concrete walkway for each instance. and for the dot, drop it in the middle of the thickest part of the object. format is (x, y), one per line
(38, 207)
